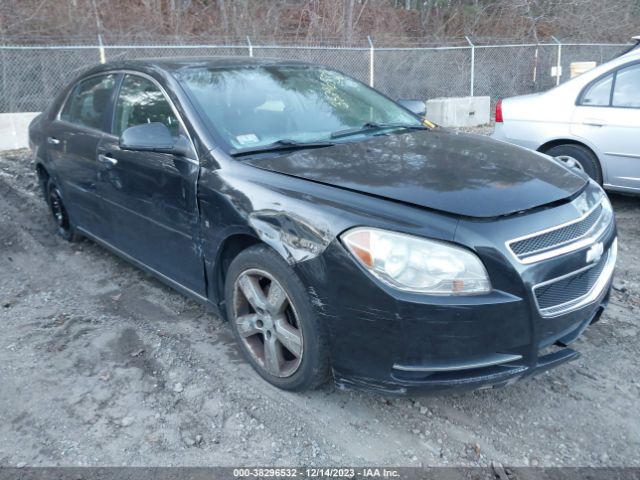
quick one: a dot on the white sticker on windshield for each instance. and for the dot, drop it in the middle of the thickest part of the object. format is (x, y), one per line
(247, 138)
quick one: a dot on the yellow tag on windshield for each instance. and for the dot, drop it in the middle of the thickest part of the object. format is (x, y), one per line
(428, 124)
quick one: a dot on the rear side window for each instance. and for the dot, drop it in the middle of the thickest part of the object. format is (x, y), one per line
(626, 92)
(599, 94)
(89, 101)
(141, 101)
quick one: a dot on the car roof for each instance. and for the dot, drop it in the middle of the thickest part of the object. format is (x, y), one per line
(172, 64)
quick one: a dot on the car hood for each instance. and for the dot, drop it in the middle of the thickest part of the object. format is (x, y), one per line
(461, 174)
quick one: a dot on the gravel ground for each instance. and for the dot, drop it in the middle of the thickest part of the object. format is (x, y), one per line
(102, 365)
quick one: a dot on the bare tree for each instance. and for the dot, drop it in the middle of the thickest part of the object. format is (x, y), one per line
(349, 21)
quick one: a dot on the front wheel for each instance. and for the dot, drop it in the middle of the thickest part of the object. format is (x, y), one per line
(577, 156)
(273, 321)
(64, 227)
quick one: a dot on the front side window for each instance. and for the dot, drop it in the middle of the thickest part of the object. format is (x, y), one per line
(141, 101)
(89, 101)
(626, 92)
(255, 106)
(599, 94)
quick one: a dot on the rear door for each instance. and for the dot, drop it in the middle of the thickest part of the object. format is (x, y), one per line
(71, 142)
(151, 197)
(608, 116)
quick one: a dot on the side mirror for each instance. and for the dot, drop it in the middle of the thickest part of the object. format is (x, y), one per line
(416, 106)
(153, 137)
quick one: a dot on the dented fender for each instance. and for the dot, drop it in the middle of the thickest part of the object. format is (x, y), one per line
(292, 236)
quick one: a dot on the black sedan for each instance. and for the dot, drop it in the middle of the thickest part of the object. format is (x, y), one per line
(339, 233)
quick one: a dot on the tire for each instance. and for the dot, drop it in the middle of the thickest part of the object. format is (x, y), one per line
(275, 317)
(585, 158)
(64, 226)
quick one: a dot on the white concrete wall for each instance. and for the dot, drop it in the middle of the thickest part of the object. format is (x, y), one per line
(459, 111)
(14, 129)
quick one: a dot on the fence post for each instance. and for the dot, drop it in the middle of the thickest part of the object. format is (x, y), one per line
(559, 60)
(103, 57)
(370, 61)
(101, 54)
(535, 65)
(473, 63)
(250, 46)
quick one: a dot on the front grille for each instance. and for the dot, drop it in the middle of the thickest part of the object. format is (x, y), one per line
(570, 292)
(556, 238)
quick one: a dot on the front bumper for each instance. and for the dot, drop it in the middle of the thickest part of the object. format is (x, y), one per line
(461, 376)
(398, 343)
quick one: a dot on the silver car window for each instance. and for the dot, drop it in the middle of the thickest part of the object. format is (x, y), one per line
(599, 94)
(626, 92)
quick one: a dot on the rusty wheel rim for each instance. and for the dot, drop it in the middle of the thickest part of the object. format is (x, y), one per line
(267, 323)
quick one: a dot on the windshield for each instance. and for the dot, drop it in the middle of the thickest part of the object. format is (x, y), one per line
(250, 107)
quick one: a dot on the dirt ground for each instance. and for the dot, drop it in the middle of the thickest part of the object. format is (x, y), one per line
(102, 365)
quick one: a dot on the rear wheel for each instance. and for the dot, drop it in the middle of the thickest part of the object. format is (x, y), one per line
(577, 156)
(274, 322)
(64, 227)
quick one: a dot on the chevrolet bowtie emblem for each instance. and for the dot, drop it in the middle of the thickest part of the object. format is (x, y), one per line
(595, 252)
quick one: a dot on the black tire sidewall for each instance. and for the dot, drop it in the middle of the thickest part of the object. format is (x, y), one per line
(313, 369)
(587, 159)
(66, 233)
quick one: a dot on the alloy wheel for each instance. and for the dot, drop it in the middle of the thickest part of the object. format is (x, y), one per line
(570, 162)
(267, 323)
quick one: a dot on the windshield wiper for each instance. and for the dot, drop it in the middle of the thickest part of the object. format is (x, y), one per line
(279, 145)
(372, 126)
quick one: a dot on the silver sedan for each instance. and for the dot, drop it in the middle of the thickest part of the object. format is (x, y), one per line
(591, 122)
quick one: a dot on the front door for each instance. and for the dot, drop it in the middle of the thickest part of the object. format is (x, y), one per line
(608, 115)
(151, 197)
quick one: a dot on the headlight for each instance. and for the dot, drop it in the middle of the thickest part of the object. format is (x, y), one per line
(416, 264)
(607, 211)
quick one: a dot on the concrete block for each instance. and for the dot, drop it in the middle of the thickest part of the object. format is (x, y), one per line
(14, 129)
(459, 111)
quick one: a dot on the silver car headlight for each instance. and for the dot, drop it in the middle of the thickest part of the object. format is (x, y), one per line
(416, 264)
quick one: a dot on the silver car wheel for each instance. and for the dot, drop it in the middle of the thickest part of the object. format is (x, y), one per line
(570, 162)
(267, 323)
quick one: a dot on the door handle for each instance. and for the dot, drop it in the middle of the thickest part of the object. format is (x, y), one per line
(592, 122)
(107, 160)
(53, 141)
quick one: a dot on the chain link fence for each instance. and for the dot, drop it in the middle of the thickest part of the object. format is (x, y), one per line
(32, 75)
